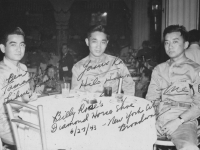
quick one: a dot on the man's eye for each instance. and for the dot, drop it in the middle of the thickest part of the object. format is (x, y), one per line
(104, 42)
(175, 42)
(13, 44)
(23, 45)
(166, 43)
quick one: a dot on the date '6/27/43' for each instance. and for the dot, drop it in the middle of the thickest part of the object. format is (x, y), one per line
(83, 130)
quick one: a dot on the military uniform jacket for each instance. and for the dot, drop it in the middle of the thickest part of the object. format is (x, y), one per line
(13, 84)
(91, 75)
(175, 82)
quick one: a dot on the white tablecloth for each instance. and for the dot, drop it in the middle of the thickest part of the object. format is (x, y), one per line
(107, 125)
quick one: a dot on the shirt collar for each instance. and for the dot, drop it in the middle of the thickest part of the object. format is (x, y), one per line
(10, 65)
(97, 60)
(182, 59)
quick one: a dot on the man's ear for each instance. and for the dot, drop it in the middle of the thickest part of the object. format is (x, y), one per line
(186, 45)
(2, 47)
(87, 42)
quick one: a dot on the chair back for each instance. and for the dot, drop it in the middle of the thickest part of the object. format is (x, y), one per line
(162, 142)
(14, 122)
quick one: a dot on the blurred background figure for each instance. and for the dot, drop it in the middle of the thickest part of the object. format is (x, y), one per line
(66, 63)
(51, 73)
(145, 51)
(193, 51)
(141, 86)
(49, 82)
(124, 53)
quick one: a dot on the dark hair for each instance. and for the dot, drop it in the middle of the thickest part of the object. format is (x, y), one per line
(193, 36)
(145, 44)
(50, 66)
(11, 31)
(99, 28)
(176, 28)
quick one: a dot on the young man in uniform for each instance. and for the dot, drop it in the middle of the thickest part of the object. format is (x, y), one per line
(98, 69)
(14, 79)
(175, 91)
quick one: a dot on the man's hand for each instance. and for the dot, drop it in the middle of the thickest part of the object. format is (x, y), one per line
(30, 97)
(171, 126)
(33, 96)
(159, 130)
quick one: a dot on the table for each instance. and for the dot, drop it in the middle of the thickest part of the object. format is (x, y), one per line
(72, 123)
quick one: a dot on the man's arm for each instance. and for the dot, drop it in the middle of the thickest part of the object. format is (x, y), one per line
(190, 114)
(194, 111)
(3, 69)
(154, 89)
(1, 91)
(32, 96)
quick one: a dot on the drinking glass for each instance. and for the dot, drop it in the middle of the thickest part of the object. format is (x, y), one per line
(65, 89)
(107, 91)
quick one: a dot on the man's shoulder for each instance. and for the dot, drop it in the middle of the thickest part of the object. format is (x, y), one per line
(23, 66)
(111, 57)
(81, 62)
(192, 64)
(2, 69)
(162, 65)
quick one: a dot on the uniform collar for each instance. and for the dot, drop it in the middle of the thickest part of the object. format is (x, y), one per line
(97, 60)
(10, 65)
(182, 59)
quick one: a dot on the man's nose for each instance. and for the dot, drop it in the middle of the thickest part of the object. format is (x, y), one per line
(170, 45)
(18, 48)
(99, 44)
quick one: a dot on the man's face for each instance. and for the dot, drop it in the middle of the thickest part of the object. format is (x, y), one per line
(14, 48)
(97, 43)
(175, 45)
(64, 49)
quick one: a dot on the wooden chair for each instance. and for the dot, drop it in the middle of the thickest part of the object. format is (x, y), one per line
(14, 122)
